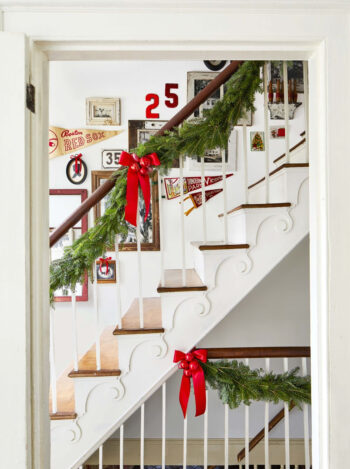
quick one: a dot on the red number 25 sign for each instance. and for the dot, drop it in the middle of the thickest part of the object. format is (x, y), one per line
(172, 101)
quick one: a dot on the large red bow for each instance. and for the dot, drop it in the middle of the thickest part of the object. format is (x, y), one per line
(139, 169)
(104, 260)
(77, 163)
(191, 367)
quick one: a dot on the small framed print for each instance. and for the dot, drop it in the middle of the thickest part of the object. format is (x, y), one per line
(103, 111)
(277, 132)
(110, 159)
(106, 271)
(257, 141)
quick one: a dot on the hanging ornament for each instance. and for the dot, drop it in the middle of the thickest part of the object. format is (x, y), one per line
(76, 169)
(190, 364)
(196, 198)
(172, 185)
(138, 173)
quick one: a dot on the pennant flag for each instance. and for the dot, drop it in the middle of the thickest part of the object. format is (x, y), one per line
(196, 198)
(172, 185)
(67, 141)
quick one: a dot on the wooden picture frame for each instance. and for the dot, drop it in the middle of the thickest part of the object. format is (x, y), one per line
(97, 177)
(103, 111)
(112, 267)
(84, 227)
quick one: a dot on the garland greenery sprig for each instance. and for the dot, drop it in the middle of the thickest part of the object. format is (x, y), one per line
(237, 383)
(191, 139)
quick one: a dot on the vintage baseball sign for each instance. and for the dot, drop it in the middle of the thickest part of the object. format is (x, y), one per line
(172, 185)
(67, 141)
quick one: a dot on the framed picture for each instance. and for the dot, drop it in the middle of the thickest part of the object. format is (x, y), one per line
(277, 132)
(295, 71)
(196, 81)
(140, 131)
(62, 202)
(257, 141)
(103, 111)
(110, 159)
(149, 228)
(106, 272)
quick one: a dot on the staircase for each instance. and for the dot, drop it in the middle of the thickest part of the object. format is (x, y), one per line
(92, 403)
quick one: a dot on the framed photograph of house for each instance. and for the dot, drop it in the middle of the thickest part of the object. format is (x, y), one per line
(196, 81)
(149, 228)
(103, 111)
(106, 271)
(62, 202)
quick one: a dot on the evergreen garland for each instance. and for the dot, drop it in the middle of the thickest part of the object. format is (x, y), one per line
(192, 139)
(237, 383)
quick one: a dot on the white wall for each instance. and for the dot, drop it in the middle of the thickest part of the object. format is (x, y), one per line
(70, 84)
(275, 313)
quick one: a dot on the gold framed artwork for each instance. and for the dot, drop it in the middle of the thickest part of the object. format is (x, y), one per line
(149, 229)
(103, 111)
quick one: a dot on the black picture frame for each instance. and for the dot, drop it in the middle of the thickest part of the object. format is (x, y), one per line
(215, 65)
(83, 168)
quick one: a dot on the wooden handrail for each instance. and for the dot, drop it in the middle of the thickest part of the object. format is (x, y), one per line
(260, 436)
(258, 352)
(183, 114)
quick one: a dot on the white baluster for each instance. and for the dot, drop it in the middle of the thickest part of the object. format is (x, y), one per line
(266, 433)
(226, 436)
(163, 423)
(245, 164)
(224, 193)
(267, 142)
(139, 265)
(286, 422)
(204, 209)
(286, 108)
(117, 286)
(100, 457)
(182, 221)
(97, 321)
(53, 363)
(74, 318)
(121, 447)
(205, 445)
(142, 437)
(306, 106)
(185, 444)
(161, 230)
(246, 428)
(306, 417)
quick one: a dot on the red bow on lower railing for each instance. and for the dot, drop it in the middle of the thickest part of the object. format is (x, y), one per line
(77, 162)
(104, 260)
(139, 170)
(189, 363)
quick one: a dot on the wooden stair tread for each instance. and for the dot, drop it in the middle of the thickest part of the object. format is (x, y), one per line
(247, 206)
(152, 318)
(217, 245)
(109, 358)
(283, 166)
(65, 398)
(292, 149)
(174, 281)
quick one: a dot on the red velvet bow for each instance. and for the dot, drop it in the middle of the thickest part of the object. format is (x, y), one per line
(139, 169)
(77, 163)
(104, 260)
(189, 362)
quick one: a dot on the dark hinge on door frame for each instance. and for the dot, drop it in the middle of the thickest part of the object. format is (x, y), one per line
(30, 97)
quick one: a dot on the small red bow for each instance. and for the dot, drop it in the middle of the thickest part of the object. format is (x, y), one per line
(138, 172)
(191, 367)
(104, 260)
(77, 162)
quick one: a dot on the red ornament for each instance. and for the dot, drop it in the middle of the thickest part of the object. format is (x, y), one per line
(189, 362)
(137, 175)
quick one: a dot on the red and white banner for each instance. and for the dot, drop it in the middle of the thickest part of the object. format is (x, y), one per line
(172, 185)
(196, 198)
(67, 141)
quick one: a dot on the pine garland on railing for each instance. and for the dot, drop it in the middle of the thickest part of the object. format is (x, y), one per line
(192, 139)
(237, 383)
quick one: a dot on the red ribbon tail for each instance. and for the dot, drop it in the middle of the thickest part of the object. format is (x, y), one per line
(184, 394)
(146, 191)
(131, 197)
(199, 391)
